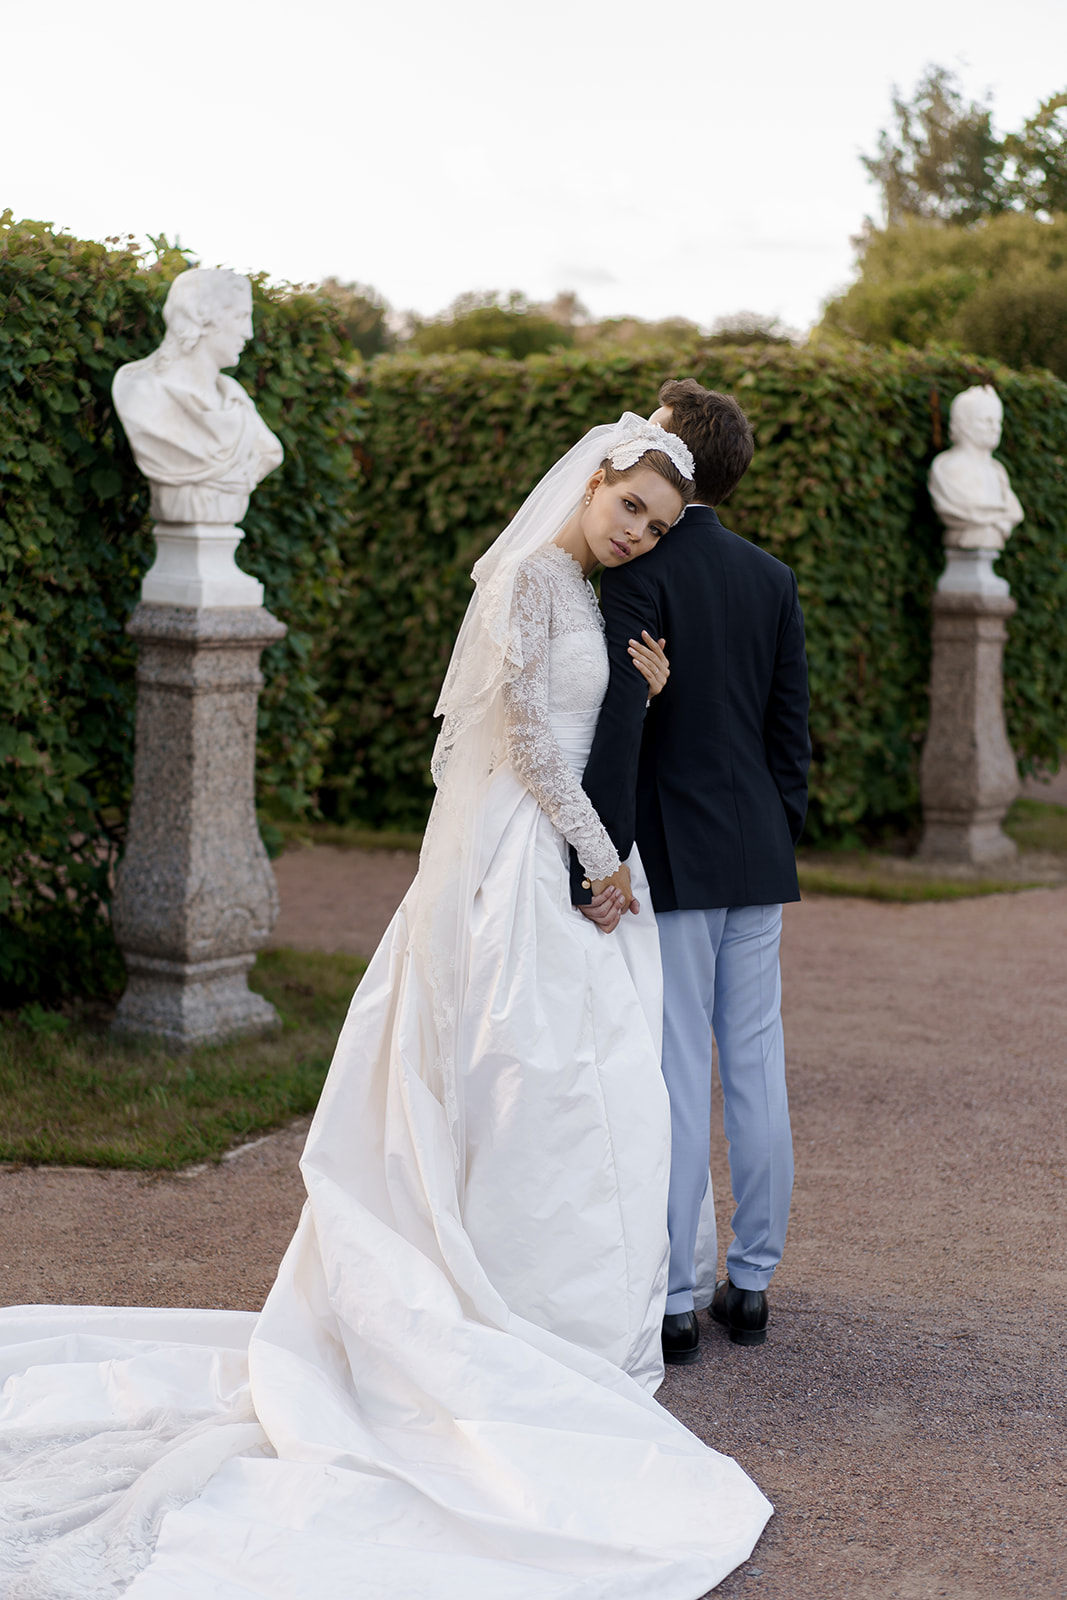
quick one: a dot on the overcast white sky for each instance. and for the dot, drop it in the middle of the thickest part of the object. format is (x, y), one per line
(687, 159)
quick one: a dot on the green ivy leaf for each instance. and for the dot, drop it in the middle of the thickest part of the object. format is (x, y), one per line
(106, 483)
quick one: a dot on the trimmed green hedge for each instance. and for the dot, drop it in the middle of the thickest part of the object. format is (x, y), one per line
(366, 536)
(837, 490)
(75, 540)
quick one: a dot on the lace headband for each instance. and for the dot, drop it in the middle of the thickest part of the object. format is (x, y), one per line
(641, 437)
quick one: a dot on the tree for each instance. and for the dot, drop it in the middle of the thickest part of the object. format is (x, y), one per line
(943, 162)
(1022, 322)
(748, 327)
(1038, 159)
(942, 159)
(632, 334)
(993, 289)
(493, 324)
(974, 250)
(567, 309)
(364, 314)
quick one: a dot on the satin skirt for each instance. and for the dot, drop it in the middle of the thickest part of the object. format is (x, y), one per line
(449, 1390)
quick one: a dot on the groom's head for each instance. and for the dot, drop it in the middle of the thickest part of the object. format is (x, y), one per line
(716, 431)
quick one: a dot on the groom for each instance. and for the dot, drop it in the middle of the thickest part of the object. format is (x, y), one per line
(712, 783)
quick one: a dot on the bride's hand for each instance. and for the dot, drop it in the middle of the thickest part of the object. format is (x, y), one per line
(650, 662)
(605, 909)
(620, 882)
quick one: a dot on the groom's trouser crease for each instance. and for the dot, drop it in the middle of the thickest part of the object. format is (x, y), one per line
(721, 973)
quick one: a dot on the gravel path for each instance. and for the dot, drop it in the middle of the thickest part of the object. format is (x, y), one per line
(339, 899)
(907, 1413)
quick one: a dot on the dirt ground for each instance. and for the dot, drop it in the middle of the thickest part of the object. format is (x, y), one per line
(1052, 788)
(906, 1415)
(339, 899)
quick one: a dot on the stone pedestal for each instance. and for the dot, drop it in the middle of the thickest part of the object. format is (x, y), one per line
(195, 566)
(968, 775)
(195, 895)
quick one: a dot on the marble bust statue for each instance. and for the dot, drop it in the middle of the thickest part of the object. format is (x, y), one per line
(971, 491)
(198, 439)
(195, 434)
(972, 494)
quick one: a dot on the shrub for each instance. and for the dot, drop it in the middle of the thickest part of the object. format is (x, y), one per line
(1022, 323)
(837, 490)
(493, 324)
(75, 539)
(998, 289)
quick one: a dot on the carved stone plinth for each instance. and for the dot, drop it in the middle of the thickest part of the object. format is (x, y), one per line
(968, 774)
(195, 895)
(195, 566)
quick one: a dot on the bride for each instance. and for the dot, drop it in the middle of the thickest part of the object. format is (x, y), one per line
(449, 1389)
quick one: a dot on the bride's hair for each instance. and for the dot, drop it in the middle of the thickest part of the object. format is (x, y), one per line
(660, 462)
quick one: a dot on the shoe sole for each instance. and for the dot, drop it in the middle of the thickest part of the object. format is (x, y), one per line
(681, 1358)
(747, 1335)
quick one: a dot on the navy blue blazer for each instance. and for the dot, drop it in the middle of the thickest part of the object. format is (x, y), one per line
(712, 782)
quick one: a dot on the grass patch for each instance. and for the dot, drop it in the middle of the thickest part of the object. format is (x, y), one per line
(1038, 825)
(1035, 825)
(871, 886)
(285, 835)
(70, 1094)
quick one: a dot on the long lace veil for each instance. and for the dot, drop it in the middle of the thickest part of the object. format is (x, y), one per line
(488, 654)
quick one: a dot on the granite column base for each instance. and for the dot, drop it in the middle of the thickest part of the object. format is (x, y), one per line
(195, 895)
(968, 775)
(193, 1002)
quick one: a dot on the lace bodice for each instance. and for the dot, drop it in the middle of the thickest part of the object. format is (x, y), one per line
(565, 674)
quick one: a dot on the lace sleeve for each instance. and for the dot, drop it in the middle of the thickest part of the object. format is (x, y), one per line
(532, 748)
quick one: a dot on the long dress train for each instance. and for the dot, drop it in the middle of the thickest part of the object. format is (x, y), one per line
(449, 1390)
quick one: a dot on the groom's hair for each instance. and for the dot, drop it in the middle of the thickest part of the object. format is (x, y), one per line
(717, 433)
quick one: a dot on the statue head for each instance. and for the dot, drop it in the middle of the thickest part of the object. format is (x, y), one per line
(975, 417)
(207, 309)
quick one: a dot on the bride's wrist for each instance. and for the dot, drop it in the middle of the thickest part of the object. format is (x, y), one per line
(589, 879)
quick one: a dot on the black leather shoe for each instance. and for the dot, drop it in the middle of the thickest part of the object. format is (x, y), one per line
(742, 1312)
(681, 1338)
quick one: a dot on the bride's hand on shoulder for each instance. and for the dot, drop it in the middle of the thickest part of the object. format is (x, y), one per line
(648, 657)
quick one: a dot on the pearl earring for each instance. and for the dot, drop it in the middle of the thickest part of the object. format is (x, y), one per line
(588, 499)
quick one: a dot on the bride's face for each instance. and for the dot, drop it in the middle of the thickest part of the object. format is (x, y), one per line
(626, 519)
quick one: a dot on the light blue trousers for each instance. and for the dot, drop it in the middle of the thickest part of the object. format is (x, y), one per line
(721, 976)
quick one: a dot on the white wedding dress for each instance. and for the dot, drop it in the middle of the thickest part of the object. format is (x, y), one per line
(449, 1390)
